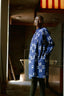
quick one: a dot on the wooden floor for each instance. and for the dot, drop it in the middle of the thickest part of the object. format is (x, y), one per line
(18, 88)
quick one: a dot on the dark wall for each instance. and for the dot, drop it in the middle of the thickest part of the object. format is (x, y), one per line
(16, 46)
(28, 36)
(19, 42)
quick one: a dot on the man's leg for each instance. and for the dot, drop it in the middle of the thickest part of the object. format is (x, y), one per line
(33, 86)
(42, 87)
(47, 83)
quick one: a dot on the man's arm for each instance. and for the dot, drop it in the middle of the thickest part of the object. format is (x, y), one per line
(50, 43)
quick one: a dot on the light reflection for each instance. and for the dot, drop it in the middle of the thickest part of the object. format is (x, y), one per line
(49, 3)
(56, 4)
(43, 3)
(62, 4)
(22, 77)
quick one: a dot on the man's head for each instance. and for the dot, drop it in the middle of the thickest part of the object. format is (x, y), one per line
(38, 21)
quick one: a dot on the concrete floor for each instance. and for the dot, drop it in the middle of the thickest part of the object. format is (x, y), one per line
(18, 88)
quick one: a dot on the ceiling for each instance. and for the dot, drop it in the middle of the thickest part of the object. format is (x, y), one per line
(24, 11)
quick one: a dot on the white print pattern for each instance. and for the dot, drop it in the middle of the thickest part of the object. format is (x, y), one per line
(32, 51)
(50, 42)
(32, 66)
(35, 38)
(29, 61)
(31, 48)
(43, 48)
(39, 48)
(50, 48)
(40, 70)
(39, 64)
(37, 41)
(33, 45)
(32, 57)
(34, 73)
(46, 32)
(42, 33)
(40, 30)
(30, 75)
(49, 38)
(43, 66)
(37, 35)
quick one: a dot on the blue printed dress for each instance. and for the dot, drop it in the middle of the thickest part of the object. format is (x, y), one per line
(41, 45)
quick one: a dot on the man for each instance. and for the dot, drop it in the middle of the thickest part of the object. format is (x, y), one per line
(40, 48)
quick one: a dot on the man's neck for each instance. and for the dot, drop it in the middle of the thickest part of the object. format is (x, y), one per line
(38, 27)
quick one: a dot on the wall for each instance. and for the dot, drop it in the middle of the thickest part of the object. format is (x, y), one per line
(19, 42)
(56, 33)
(28, 36)
(56, 54)
(16, 46)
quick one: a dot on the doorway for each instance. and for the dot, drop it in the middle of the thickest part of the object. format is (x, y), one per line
(21, 33)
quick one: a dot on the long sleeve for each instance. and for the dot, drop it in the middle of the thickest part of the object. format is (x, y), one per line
(50, 43)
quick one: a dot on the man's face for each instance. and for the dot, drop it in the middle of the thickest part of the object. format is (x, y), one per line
(37, 21)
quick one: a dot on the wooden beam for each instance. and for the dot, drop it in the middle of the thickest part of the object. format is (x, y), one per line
(31, 24)
(51, 10)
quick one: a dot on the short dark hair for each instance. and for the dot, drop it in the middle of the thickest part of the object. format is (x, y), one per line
(42, 18)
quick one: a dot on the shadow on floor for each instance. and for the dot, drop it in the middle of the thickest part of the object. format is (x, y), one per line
(19, 88)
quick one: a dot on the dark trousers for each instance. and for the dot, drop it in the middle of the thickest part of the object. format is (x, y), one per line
(34, 86)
